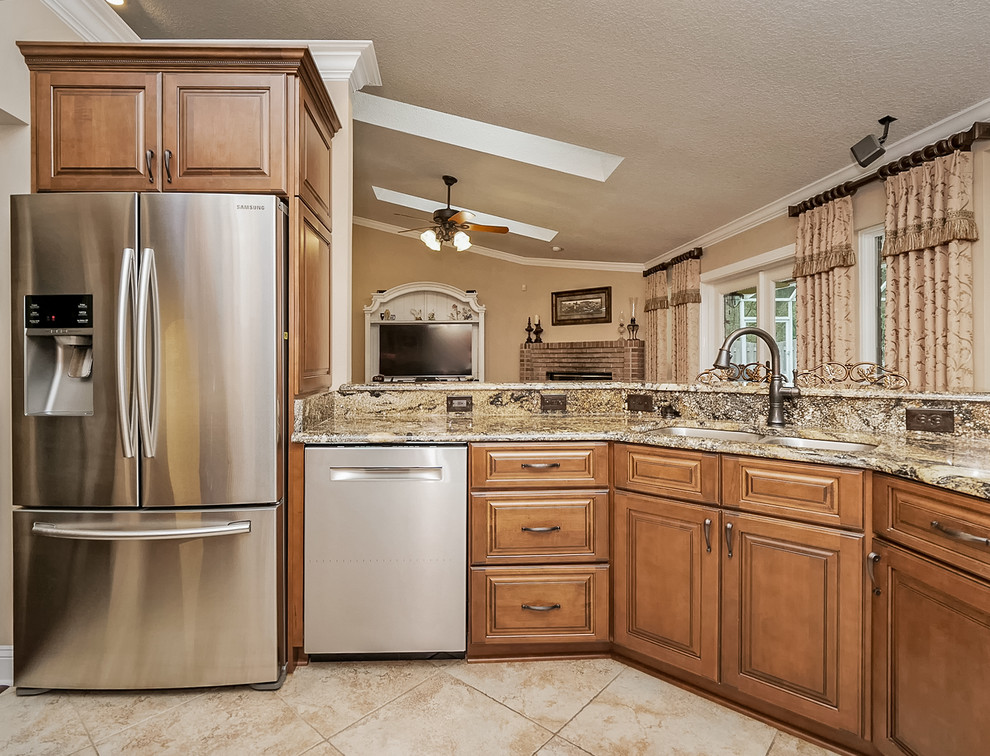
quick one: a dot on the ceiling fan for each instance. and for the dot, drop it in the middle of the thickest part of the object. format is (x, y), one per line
(450, 226)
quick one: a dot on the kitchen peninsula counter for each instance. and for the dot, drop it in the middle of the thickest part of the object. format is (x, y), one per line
(399, 414)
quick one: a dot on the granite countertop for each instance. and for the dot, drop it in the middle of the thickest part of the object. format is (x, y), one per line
(953, 462)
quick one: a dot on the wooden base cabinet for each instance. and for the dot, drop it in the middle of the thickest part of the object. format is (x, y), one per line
(792, 617)
(665, 566)
(931, 658)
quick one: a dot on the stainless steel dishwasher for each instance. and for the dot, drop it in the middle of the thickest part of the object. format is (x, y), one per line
(386, 549)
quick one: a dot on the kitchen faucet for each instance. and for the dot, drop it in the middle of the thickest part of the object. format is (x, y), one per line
(778, 391)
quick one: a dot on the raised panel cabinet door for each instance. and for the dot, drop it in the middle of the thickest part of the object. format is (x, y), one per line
(96, 131)
(931, 658)
(309, 302)
(675, 473)
(792, 617)
(665, 572)
(314, 160)
(224, 132)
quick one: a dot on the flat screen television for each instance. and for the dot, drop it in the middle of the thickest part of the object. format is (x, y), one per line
(407, 351)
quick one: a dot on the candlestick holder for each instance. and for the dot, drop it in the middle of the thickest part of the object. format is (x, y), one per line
(529, 330)
(633, 329)
(537, 332)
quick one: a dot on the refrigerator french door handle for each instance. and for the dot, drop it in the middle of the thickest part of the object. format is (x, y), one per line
(148, 397)
(126, 401)
(158, 534)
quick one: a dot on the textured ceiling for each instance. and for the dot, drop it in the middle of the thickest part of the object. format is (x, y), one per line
(718, 108)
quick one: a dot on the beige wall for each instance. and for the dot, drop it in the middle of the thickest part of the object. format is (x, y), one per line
(19, 20)
(383, 260)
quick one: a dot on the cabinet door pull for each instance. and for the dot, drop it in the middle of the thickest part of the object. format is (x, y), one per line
(960, 535)
(708, 535)
(168, 166)
(547, 529)
(548, 608)
(728, 538)
(539, 465)
(148, 157)
(871, 560)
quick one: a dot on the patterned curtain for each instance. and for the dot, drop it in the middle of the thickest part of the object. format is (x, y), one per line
(656, 329)
(685, 307)
(929, 228)
(823, 261)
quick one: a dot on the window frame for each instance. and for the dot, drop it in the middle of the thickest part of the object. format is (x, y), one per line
(869, 294)
(762, 271)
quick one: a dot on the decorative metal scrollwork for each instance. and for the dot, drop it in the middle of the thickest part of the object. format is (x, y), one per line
(753, 372)
(860, 373)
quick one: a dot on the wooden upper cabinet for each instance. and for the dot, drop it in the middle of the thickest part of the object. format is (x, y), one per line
(793, 617)
(224, 132)
(96, 131)
(313, 171)
(310, 302)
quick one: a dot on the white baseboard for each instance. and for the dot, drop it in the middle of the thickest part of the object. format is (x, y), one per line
(6, 665)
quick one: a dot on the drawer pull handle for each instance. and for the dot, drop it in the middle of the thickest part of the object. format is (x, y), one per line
(149, 155)
(168, 165)
(960, 535)
(708, 535)
(871, 561)
(547, 529)
(548, 608)
(540, 465)
(728, 538)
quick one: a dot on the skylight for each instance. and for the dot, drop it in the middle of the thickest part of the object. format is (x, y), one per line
(429, 206)
(484, 137)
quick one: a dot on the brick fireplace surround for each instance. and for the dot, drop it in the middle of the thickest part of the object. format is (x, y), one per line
(623, 358)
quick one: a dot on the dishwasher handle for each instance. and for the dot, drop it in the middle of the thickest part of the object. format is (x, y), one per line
(380, 473)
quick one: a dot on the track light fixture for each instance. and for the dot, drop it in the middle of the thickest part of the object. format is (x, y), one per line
(869, 148)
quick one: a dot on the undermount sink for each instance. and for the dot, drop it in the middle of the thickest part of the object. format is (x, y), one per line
(817, 443)
(723, 435)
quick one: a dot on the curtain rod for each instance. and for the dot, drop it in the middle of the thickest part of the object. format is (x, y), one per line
(961, 141)
(693, 254)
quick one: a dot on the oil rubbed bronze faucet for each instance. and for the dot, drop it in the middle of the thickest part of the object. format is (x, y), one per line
(778, 391)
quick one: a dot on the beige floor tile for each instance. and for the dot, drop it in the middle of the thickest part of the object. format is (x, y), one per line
(548, 692)
(333, 695)
(323, 749)
(788, 745)
(236, 721)
(560, 747)
(35, 725)
(107, 712)
(87, 751)
(638, 714)
(442, 717)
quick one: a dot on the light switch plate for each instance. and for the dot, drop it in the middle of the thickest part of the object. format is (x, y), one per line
(460, 404)
(553, 402)
(639, 403)
(932, 419)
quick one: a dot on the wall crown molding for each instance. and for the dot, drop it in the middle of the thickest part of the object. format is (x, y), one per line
(92, 20)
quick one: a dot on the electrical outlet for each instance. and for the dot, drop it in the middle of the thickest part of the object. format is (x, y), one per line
(460, 404)
(639, 403)
(553, 402)
(930, 419)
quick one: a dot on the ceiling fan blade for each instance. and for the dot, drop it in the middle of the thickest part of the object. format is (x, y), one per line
(489, 229)
(460, 217)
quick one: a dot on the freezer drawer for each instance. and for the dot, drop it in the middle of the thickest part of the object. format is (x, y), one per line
(161, 599)
(386, 550)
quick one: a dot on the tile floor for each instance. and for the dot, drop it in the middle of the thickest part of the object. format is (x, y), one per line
(412, 708)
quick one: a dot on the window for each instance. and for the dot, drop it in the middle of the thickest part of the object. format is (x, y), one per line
(872, 295)
(756, 292)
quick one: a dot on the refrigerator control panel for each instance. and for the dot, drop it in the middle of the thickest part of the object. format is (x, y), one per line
(58, 311)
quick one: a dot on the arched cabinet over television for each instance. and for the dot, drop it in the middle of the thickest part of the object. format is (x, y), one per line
(424, 331)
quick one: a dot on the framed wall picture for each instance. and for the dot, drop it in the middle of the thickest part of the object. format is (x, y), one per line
(580, 306)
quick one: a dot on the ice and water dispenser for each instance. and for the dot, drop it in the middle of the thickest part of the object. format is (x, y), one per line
(58, 354)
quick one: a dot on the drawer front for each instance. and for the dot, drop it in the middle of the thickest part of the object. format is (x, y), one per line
(541, 604)
(907, 512)
(677, 473)
(556, 465)
(795, 490)
(541, 526)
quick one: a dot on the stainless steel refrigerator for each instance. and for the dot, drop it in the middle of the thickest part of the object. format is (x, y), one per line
(148, 416)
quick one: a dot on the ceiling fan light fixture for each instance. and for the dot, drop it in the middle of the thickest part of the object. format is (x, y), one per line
(430, 239)
(461, 241)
